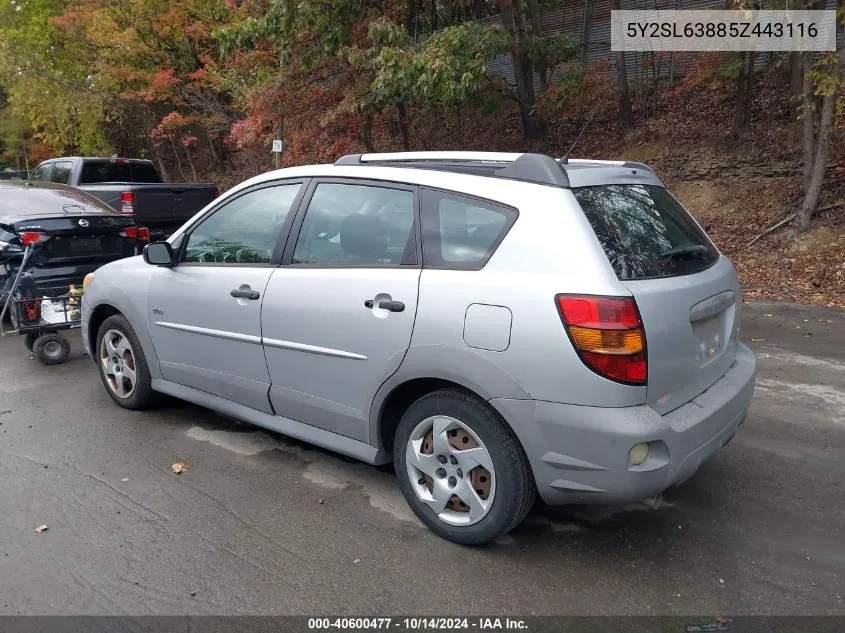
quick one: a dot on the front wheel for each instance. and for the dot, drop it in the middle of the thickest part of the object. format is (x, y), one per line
(461, 469)
(122, 365)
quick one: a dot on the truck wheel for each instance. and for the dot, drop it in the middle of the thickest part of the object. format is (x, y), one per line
(51, 349)
(122, 365)
(461, 469)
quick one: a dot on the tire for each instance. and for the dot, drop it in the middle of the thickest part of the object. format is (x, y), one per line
(29, 340)
(120, 352)
(51, 349)
(506, 494)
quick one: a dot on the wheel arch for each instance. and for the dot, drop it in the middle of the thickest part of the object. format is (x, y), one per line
(429, 368)
(95, 320)
(117, 302)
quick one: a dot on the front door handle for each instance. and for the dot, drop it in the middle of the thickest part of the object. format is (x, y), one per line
(252, 295)
(391, 306)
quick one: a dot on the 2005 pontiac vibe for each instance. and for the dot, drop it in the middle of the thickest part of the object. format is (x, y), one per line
(497, 325)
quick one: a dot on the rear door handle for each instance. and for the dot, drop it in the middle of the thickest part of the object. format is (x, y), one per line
(252, 295)
(391, 306)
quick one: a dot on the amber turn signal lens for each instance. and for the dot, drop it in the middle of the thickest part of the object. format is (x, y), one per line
(608, 341)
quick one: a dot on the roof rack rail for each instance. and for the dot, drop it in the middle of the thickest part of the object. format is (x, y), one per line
(607, 163)
(536, 168)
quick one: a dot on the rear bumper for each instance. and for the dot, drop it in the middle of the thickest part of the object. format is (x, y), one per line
(580, 455)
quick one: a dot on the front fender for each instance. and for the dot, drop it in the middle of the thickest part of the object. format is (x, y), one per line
(124, 286)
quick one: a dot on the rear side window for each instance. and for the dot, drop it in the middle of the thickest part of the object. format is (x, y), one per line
(460, 231)
(645, 232)
(107, 171)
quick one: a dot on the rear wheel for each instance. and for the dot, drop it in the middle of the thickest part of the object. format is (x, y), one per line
(51, 349)
(122, 365)
(461, 469)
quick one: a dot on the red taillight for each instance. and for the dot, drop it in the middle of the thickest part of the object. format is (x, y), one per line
(608, 335)
(127, 203)
(605, 313)
(33, 237)
(141, 233)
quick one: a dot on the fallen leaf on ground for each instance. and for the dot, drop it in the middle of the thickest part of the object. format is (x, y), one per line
(723, 619)
(179, 468)
(42, 528)
(825, 321)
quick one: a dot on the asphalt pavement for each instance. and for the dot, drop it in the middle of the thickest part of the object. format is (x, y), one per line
(260, 524)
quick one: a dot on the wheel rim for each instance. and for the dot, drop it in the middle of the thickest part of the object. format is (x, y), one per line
(451, 470)
(53, 349)
(118, 363)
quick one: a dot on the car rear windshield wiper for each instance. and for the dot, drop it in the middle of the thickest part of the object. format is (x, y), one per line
(686, 249)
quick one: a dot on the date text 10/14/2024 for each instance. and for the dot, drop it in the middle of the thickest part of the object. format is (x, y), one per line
(419, 624)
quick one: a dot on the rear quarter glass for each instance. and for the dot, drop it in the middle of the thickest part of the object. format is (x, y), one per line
(645, 232)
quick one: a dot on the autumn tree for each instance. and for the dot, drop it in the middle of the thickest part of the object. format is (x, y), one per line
(626, 111)
(47, 79)
(824, 80)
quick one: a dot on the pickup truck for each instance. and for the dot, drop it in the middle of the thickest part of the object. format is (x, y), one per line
(131, 186)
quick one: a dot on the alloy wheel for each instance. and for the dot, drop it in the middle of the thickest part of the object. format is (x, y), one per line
(118, 362)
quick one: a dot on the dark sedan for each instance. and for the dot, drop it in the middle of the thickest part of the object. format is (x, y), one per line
(72, 233)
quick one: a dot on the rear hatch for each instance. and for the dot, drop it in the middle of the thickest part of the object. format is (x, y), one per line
(687, 294)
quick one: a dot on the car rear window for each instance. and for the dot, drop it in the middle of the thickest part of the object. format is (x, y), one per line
(106, 171)
(645, 232)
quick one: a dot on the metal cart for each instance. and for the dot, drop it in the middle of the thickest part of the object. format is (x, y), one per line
(40, 318)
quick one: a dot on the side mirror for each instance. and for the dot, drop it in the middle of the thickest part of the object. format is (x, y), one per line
(159, 254)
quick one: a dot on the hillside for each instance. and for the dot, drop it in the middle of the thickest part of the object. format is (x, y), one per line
(734, 187)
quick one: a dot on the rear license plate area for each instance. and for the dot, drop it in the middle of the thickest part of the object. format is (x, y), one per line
(712, 336)
(83, 245)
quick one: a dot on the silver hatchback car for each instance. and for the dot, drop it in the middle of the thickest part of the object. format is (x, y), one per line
(497, 325)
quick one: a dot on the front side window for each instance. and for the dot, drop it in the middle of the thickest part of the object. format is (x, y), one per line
(61, 172)
(42, 172)
(360, 225)
(244, 230)
(462, 232)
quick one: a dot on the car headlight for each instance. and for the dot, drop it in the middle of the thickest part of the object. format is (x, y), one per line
(87, 281)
